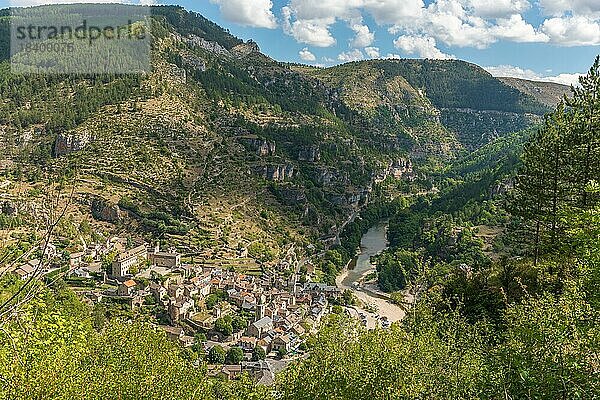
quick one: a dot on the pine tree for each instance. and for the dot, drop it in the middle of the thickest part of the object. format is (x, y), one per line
(558, 164)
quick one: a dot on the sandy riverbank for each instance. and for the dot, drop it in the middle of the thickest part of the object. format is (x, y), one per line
(384, 308)
(372, 243)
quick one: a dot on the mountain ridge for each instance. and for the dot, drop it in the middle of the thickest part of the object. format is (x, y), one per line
(312, 145)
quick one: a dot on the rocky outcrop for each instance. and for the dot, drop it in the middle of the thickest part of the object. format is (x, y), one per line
(195, 62)
(292, 196)
(309, 154)
(398, 169)
(179, 75)
(104, 210)
(501, 188)
(245, 49)
(212, 47)
(277, 173)
(70, 142)
(330, 176)
(262, 147)
(354, 198)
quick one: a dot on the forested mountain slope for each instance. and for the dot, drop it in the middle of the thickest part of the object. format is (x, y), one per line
(222, 151)
(546, 93)
(462, 97)
(311, 143)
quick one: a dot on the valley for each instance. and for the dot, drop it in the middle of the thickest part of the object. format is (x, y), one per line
(228, 226)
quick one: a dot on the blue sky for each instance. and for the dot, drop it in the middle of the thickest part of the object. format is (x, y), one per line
(552, 40)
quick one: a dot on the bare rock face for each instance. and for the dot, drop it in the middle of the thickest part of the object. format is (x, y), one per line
(292, 195)
(178, 74)
(212, 47)
(70, 142)
(331, 176)
(353, 199)
(309, 154)
(502, 188)
(104, 210)
(277, 173)
(398, 169)
(245, 49)
(262, 147)
(195, 62)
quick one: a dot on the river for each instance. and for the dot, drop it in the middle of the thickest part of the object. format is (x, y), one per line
(372, 243)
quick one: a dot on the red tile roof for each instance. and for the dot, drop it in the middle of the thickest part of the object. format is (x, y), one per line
(130, 283)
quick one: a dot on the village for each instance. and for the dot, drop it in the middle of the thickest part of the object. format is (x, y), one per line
(238, 322)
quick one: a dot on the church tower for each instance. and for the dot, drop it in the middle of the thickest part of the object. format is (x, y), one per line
(261, 307)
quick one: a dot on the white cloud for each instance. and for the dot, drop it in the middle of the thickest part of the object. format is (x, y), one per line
(454, 23)
(255, 13)
(306, 55)
(572, 31)
(517, 30)
(564, 79)
(314, 32)
(364, 37)
(512, 72)
(352, 55)
(575, 7)
(457, 29)
(395, 11)
(318, 9)
(497, 8)
(30, 3)
(372, 52)
(423, 47)
(517, 72)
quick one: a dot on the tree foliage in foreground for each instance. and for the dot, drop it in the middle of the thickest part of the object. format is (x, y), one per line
(559, 162)
(51, 351)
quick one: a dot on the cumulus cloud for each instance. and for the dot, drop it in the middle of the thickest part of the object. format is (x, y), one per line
(389, 12)
(306, 55)
(352, 55)
(455, 23)
(454, 28)
(30, 3)
(423, 47)
(572, 31)
(522, 73)
(257, 13)
(363, 38)
(391, 56)
(574, 7)
(314, 31)
(517, 30)
(497, 8)
(372, 52)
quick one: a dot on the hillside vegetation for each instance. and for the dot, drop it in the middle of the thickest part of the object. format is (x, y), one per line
(493, 212)
(515, 327)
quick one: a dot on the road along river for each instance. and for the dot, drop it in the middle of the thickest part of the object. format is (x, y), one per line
(352, 278)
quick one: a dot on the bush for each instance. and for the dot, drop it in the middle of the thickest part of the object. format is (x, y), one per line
(216, 355)
(235, 355)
